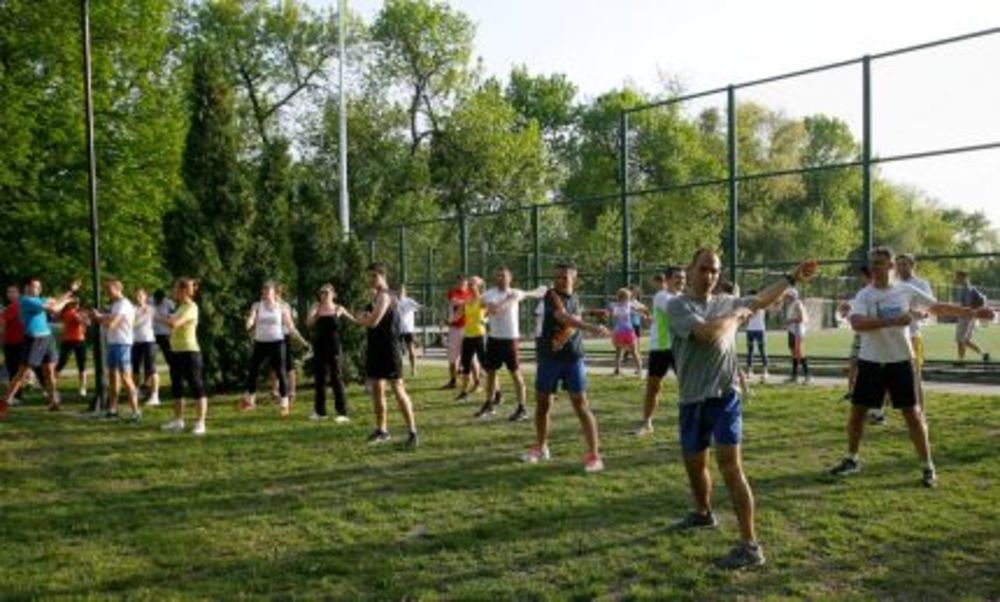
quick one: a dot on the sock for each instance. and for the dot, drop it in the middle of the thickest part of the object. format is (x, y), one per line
(805, 367)
(853, 457)
(929, 465)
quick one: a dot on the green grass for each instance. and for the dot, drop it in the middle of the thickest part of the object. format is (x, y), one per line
(294, 509)
(939, 340)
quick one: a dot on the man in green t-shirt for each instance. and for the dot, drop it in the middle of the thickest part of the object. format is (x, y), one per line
(661, 356)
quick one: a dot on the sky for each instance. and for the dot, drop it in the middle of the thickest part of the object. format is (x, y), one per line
(936, 98)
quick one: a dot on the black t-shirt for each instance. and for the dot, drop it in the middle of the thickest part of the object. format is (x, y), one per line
(561, 342)
(326, 331)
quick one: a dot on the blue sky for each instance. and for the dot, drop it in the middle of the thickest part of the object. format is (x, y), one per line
(931, 99)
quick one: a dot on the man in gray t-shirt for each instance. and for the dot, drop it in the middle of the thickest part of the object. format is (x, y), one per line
(703, 329)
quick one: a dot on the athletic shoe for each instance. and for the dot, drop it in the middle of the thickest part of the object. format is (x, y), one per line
(519, 414)
(485, 411)
(378, 436)
(462, 396)
(135, 417)
(54, 407)
(83, 393)
(153, 401)
(497, 398)
(451, 384)
(846, 467)
(174, 426)
(791, 380)
(109, 415)
(986, 357)
(341, 419)
(763, 377)
(743, 556)
(877, 418)
(592, 463)
(929, 478)
(246, 405)
(412, 441)
(317, 417)
(536, 455)
(808, 380)
(644, 430)
(284, 408)
(199, 429)
(696, 520)
(16, 401)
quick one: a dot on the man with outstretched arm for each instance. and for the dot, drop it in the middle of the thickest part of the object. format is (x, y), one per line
(703, 326)
(882, 313)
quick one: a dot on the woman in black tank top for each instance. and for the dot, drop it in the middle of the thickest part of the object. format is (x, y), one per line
(324, 319)
(383, 359)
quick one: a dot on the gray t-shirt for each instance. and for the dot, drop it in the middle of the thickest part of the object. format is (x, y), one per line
(704, 370)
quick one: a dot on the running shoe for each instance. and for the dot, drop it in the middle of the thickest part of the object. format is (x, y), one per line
(199, 429)
(317, 417)
(246, 405)
(485, 411)
(877, 418)
(929, 478)
(412, 440)
(519, 414)
(378, 436)
(644, 430)
(696, 520)
(284, 408)
(462, 396)
(341, 419)
(592, 463)
(847, 466)
(743, 556)
(536, 455)
(174, 426)
(135, 417)
(497, 398)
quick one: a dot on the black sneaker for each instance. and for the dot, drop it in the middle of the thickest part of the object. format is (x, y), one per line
(109, 415)
(449, 385)
(462, 396)
(847, 466)
(743, 556)
(378, 436)
(519, 414)
(486, 410)
(877, 418)
(412, 441)
(497, 398)
(986, 357)
(930, 478)
(696, 520)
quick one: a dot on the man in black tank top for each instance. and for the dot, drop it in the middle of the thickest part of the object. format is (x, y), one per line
(383, 358)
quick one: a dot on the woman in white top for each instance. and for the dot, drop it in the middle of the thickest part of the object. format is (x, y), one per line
(796, 318)
(757, 338)
(144, 347)
(267, 320)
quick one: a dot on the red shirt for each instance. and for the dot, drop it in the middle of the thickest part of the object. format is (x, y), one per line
(457, 297)
(13, 332)
(73, 329)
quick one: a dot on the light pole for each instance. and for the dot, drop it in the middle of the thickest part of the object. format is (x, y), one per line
(345, 211)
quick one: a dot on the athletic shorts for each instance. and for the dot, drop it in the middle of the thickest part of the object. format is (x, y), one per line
(455, 337)
(624, 339)
(289, 356)
(120, 357)
(718, 420)
(964, 329)
(660, 362)
(501, 352)
(144, 358)
(406, 338)
(39, 350)
(384, 364)
(472, 347)
(572, 374)
(918, 352)
(875, 380)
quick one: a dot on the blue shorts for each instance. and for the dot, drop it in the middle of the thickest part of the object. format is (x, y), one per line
(573, 375)
(719, 419)
(120, 358)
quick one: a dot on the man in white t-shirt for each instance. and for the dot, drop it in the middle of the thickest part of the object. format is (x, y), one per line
(503, 309)
(882, 313)
(408, 309)
(118, 325)
(661, 355)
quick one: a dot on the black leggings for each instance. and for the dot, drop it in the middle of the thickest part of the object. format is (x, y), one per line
(326, 362)
(78, 349)
(185, 366)
(274, 352)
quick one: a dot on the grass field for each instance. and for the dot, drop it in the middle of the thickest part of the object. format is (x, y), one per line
(261, 508)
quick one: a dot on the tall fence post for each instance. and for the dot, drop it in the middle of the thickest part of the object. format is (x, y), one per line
(866, 155)
(463, 240)
(623, 174)
(733, 248)
(428, 289)
(536, 245)
(402, 254)
(371, 248)
(483, 250)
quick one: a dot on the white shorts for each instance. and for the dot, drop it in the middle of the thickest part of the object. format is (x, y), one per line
(964, 330)
(455, 336)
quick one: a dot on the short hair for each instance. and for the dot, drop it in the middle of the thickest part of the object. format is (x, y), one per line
(660, 277)
(866, 271)
(188, 284)
(378, 267)
(29, 280)
(270, 285)
(504, 268)
(702, 251)
(880, 251)
(906, 257)
(565, 265)
(159, 295)
(112, 281)
(673, 270)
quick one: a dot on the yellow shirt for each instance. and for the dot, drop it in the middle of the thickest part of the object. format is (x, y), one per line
(475, 326)
(185, 337)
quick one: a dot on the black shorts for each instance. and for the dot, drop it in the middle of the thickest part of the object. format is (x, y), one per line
(472, 347)
(501, 352)
(875, 380)
(144, 359)
(39, 350)
(660, 362)
(186, 368)
(289, 359)
(77, 349)
(406, 338)
(384, 363)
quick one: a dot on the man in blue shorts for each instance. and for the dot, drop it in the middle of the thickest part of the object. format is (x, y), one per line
(560, 359)
(39, 350)
(703, 328)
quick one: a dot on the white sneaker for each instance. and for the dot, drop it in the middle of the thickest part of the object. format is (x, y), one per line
(317, 417)
(83, 393)
(153, 401)
(536, 455)
(807, 380)
(341, 419)
(645, 430)
(763, 377)
(199, 429)
(174, 426)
